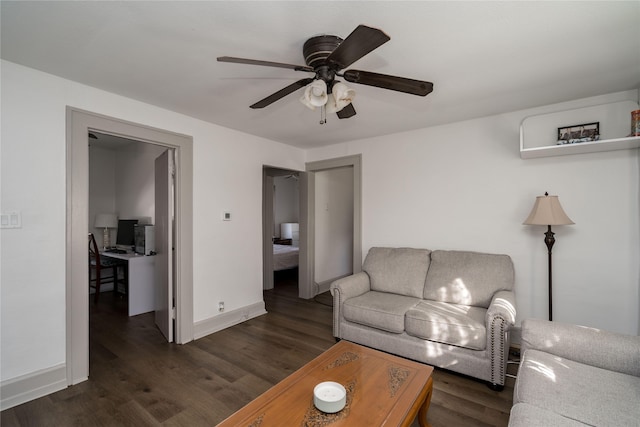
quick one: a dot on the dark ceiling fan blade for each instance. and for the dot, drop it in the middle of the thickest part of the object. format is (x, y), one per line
(357, 44)
(264, 63)
(400, 84)
(347, 112)
(282, 93)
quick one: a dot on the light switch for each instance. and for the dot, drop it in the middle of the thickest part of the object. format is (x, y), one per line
(11, 219)
(226, 216)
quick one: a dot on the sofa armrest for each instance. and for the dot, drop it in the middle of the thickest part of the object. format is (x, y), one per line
(351, 286)
(595, 347)
(343, 289)
(500, 317)
(503, 305)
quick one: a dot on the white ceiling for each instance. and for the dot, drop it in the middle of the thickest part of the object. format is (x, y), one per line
(483, 57)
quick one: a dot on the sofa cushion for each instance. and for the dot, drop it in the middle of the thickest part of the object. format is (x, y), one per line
(525, 415)
(379, 310)
(459, 325)
(577, 391)
(467, 278)
(398, 270)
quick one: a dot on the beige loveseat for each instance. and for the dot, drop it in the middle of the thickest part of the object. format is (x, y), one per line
(451, 309)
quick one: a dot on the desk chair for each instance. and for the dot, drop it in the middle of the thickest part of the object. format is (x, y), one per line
(101, 265)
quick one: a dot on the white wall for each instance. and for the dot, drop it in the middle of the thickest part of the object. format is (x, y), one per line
(464, 186)
(333, 223)
(227, 264)
(460, 186)
(102, 188)
(135, 180)
(286, 202)
(121, 181)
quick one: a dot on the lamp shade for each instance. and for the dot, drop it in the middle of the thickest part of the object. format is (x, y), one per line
(106, 220)
(315, 94)
(341, 96)
(547, 211)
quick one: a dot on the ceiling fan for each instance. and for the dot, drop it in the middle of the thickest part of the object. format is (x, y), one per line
(326, 56)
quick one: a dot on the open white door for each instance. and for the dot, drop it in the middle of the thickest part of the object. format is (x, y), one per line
(267, 231)
(164, 244)
(306, 289)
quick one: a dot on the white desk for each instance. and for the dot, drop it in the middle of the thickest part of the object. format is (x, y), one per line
(140, 271)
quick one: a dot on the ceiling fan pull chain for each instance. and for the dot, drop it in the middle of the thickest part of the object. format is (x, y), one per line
(323, 115)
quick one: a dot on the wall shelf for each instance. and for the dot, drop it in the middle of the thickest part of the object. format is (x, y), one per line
(583, 147)
(538, 134)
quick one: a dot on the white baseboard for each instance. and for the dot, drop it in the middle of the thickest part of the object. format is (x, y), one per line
(227, 319)
(323, 287)
(326, 285)
(25, 388)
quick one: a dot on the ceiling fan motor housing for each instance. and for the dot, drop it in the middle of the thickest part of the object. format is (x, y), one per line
(317, 49)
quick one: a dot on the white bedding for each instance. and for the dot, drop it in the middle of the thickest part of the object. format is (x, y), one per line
(284, 257)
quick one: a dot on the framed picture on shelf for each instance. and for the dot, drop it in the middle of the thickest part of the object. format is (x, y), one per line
(586, 132)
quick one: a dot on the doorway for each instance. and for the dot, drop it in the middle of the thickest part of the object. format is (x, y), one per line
(352, 164)
(281, 227)
(79, 124)
(308, 287)
(123, 185)
(333, 219)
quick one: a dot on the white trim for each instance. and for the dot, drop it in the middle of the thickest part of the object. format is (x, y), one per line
(326, 285)
(33, 385)
(306, 272)
(227, 319)
(323, 286)
(79, 123)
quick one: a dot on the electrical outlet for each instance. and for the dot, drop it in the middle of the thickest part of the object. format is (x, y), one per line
(221, 306)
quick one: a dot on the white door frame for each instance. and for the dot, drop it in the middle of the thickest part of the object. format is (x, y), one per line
(78, 125)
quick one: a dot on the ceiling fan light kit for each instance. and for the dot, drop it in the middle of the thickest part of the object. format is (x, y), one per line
(315, 94)
(326, 56)
(340, 97)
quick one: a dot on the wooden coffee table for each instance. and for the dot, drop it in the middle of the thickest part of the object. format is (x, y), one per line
(382, 390)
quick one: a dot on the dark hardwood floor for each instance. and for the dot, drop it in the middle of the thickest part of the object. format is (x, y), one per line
(138, 379)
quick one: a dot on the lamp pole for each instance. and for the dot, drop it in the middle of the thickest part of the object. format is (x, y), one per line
(549, 240)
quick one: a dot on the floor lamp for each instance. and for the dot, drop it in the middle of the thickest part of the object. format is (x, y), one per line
(547, 211)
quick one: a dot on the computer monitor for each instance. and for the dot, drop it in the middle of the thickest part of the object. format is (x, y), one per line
(126, 235)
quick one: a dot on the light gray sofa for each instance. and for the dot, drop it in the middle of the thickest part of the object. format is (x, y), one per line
(451, 309)
(571, 375)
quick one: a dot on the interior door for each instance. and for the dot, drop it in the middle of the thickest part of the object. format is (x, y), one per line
(164, 244)
(267, 231)
(306, 273)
